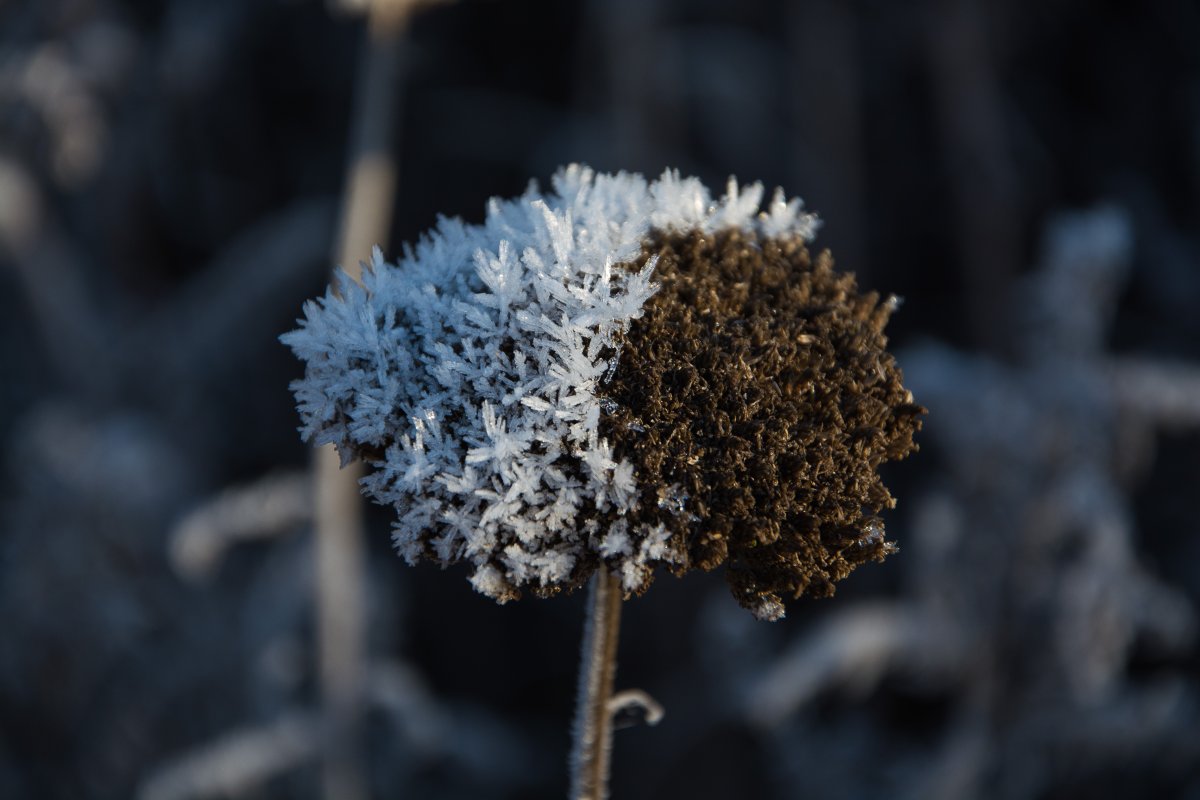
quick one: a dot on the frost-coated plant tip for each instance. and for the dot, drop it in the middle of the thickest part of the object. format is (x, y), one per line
(616, 372)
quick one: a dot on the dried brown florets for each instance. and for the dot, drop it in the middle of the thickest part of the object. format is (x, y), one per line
(756, 401)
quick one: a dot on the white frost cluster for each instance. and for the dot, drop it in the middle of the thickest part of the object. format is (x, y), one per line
(469, 373)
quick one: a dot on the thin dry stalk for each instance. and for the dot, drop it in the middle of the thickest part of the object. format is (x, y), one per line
(340, 571)
(593, 715)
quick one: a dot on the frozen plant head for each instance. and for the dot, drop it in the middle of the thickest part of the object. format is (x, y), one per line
(622, 373)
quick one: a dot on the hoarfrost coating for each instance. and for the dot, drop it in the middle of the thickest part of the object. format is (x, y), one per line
(468, 374)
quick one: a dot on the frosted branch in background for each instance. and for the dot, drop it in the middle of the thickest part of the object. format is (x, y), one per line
(269, 507)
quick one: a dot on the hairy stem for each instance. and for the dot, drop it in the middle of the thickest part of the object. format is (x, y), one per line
(593, 718)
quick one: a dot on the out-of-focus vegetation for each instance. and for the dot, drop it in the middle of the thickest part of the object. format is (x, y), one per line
(1026, 175)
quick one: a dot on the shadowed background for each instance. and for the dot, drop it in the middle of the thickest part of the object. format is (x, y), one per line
(1026, 175)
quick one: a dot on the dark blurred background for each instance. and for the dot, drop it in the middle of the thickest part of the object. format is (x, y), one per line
(1025, 174)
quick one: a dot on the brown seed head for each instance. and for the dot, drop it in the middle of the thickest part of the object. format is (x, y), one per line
(756, 400)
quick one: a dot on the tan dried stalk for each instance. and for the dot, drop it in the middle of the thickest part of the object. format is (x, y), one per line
(340, 569)
(592, 747)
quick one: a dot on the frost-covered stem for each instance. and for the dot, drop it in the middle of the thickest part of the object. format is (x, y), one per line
(593, 718)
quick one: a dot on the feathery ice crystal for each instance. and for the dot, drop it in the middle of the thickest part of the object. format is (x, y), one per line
(617, 372)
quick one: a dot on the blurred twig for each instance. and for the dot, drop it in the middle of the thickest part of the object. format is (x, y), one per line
(237, 762)
(268, 507)
(1160, 391)
(365, 222)
(857, 646)
(242, 762)
(51, 272)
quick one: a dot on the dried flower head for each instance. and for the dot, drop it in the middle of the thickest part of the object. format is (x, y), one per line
(616, 372)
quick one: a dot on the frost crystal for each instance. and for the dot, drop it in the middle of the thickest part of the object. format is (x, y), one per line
(471, 375)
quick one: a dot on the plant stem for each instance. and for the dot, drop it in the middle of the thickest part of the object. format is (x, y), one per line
(341, 571)
(593, 720)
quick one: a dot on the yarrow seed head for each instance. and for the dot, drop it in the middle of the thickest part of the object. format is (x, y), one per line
(620, 373)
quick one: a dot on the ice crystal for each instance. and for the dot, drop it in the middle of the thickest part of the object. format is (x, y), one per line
(473, 376)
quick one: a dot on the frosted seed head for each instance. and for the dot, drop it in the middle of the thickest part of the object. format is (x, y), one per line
(485, 376)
